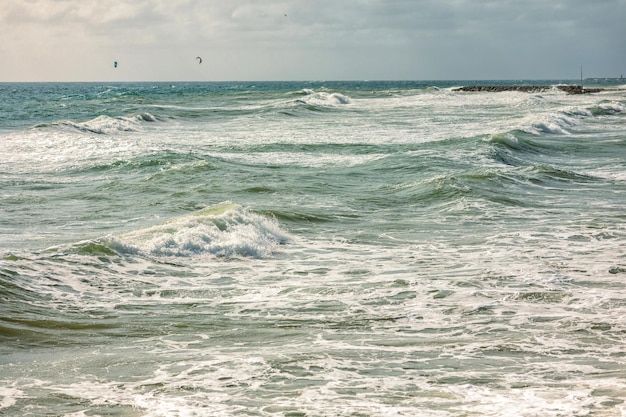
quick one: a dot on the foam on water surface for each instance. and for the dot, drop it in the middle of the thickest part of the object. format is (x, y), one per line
(376, 251)
(224, 230)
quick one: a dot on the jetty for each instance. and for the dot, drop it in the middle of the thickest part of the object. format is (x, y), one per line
(570, 89)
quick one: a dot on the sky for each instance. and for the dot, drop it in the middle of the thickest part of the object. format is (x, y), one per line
(240, 40)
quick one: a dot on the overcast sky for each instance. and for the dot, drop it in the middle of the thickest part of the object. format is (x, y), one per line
(158, 40)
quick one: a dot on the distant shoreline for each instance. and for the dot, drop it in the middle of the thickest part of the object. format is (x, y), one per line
(570, 89)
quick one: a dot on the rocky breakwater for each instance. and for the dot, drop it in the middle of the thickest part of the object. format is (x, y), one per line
(570, 89)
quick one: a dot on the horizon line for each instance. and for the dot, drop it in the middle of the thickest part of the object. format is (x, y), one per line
(315, 80)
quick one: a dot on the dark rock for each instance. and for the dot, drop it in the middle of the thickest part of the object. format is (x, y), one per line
(570, 89)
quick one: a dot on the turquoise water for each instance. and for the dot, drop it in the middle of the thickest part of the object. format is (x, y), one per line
(311, 248)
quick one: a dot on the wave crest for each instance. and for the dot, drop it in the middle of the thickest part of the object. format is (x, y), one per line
(608, 108)
(103, 125)
(323, 99)
(557, 124)
(224, 230)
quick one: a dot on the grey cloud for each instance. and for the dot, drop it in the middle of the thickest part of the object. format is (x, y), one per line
(348, 38)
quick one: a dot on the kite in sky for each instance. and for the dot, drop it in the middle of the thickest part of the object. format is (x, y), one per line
(199, 60)
(115, 64)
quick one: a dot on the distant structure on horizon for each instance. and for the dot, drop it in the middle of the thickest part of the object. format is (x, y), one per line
(620, 78)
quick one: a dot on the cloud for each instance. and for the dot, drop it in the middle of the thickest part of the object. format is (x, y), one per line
(297, 39)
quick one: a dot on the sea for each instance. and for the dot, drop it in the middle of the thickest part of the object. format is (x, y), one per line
(345, 248)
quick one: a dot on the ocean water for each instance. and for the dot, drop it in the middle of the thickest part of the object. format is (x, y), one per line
(311, 249)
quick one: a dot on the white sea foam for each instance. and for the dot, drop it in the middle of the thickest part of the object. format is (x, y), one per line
(335, 328)
(313, 160)
(324, 99)
(433, 282)
(226, 230)
(9, 396)
(612, 107)
(578, 112)
(554, 123)
(50, 150)
(107, 125)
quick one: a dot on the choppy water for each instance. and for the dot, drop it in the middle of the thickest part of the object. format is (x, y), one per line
(318, 249)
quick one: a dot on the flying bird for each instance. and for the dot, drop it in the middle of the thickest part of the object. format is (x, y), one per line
(115, 64)
(199, 60)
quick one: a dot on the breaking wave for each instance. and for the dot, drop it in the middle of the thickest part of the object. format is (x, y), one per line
(225, 230)
(322, 99)
(557, 124)
(103, 125)
(608, 108)
(565, 121)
